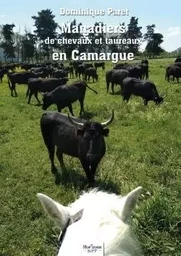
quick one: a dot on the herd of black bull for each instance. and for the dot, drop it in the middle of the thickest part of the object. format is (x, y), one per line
(75, 136)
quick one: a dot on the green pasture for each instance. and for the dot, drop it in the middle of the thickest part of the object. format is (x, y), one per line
(143, 148)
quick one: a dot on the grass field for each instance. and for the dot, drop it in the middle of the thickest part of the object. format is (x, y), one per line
(143, 148)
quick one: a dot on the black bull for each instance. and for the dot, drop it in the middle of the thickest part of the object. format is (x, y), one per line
(64, 95)
(143, 88)
(19, 78)
(36, 85)
(75, 137)
(173, 70)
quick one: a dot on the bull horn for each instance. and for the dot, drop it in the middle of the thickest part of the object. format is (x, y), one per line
(109, 121)
(74, 122)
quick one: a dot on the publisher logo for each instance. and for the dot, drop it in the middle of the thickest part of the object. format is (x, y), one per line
(96, 249)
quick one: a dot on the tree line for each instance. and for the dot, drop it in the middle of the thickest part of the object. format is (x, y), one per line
(31, 46)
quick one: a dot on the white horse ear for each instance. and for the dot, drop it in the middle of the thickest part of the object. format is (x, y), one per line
(57, 212)
(130, 203)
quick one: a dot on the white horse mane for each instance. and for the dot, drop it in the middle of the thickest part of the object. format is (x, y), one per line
(105, 218)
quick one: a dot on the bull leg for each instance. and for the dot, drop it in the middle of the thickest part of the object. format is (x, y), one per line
(93, 168)
(11, 91)
(126, 97)
(11, 88)
(30, 95)
(27, 92)
(88, 171)
(36, 96)
(81, 107)
(107, 87)
(60, 158)
(14, 89)
(51, 151)
(112, 88)
(70, 109)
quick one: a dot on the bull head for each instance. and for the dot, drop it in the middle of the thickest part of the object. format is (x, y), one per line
(160, 99)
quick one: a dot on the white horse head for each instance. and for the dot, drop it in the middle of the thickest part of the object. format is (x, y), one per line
(105, 218)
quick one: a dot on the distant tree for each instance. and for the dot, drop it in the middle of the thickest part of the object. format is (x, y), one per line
(153, 47)
(28, 46)
(7, 43)
(150, 31)
(153, 41)
(133, 32)
(117, 47)
(18, 44)
(113, 47)
(45, 27)
(1, 35)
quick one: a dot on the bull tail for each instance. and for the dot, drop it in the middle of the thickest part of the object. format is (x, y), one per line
(91, 89)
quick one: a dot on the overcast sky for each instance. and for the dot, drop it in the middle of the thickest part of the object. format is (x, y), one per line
(165, 15)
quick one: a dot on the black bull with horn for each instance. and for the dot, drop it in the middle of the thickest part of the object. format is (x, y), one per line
(75, 137)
